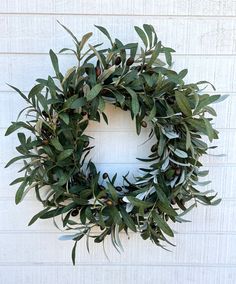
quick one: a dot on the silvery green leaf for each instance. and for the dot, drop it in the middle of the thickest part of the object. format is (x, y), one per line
(129, 207)
(141, 196)
(125, 199)
(178, 152)
(67, 237)
(203, 193)
(220, 99)
(171, 134)
(165, 164)
(107, 73)
(68, 73)
(117, 237)
(172, 183)
(182, 178)
(201, 183)
(180, 164)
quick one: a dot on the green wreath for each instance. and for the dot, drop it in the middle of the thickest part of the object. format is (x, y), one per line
(54, 145)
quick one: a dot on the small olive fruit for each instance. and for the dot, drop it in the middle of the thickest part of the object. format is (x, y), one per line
(170, 100)
(109, 202)
(119, 188)
(177, 171)
(86, 143)
(145, 67)
(75, 212)
(117, 60)
(83, 113)
(45, 114)
(144, 124)
(129, 61)
(98, 71)
(105, 175)
(121, 201)
(45, 142)
(154, 148)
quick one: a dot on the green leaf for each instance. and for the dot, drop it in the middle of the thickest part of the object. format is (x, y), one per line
(139, 203)
(17, 180)
(37, 216)
(65, 117)
(154, 56)
(94, 92)
(127, 219)
(84, 39)
(164, 207)
(112, 191)
(183, 73)
(105, 117)
(98, 55)
(56, 144)
(105, 32)
(70, 33)
(52, 213)
(80, 102)
(216, 202)
(65, 154)
(148, 29)
(35, 90)
(20, 93)
(162, 224)
(54, 62)
(15, 159)
(107, 73)
(20, 193)
(188, 138)
(198, 124)
(134, 102)
(205, 102)
(15, 126)
(206, 82)
(142, 35)
(73, 253)
(43, 101)
(115, 214)
(178, 152)
(68, 76)
(168, 58)
(183, 103)
(209, 129)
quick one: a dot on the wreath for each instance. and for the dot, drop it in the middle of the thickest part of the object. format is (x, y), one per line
(54, 145)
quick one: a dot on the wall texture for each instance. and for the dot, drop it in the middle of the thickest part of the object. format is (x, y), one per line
(204, 36)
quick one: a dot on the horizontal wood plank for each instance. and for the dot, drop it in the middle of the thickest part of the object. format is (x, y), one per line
(119, 7)
(217, 250)
(39, 33)
(40, 274)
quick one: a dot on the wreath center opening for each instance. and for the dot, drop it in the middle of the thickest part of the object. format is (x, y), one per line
(117, 145)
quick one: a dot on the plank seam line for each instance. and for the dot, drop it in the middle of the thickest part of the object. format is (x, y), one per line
(213, 265)
(72, 55)
(116, 15)
(37, 232)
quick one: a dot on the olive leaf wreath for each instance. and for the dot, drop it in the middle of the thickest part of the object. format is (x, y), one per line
(54, 146)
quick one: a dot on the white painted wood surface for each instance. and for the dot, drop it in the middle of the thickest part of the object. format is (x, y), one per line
(204, 36)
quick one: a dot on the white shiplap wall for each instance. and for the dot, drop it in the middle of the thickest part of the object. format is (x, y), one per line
(204, 36)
